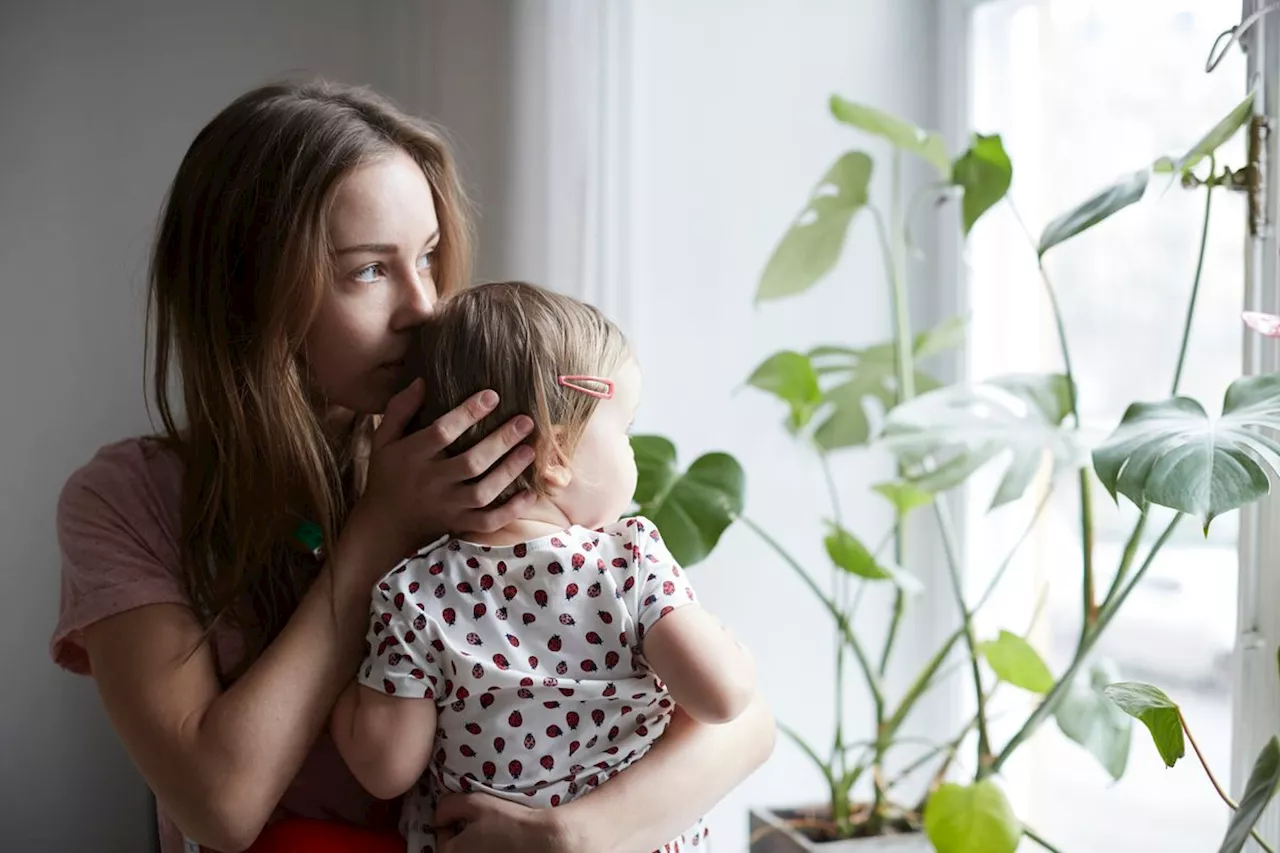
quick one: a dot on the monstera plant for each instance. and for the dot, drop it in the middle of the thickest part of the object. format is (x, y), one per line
(850, 397)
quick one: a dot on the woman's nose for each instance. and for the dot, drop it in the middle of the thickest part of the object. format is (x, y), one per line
(417, 300)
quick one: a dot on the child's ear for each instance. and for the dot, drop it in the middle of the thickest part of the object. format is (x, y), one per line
(556, 473)
(555, 470)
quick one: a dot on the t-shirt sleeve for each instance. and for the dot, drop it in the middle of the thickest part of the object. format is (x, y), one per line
(118, 549)
(398, 657)
(661, 584)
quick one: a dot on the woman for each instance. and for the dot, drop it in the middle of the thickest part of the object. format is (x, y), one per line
(309, 229)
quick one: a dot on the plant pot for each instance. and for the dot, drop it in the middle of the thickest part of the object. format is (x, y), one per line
(772, 831)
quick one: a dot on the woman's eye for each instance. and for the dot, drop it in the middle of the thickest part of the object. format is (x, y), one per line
(425, 259)
(369, 274)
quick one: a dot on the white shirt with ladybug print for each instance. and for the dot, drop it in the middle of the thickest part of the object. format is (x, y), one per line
(533, 654)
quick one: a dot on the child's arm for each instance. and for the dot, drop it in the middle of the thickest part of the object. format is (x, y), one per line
(708, 673)
(385, 740)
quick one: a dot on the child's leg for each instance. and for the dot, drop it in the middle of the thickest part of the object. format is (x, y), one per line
(295, 835)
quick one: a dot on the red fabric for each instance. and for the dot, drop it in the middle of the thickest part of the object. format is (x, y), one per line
(297, 835)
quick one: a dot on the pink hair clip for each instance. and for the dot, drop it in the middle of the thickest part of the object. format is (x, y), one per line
(572, 382)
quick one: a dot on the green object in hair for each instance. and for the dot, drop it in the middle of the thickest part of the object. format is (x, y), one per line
(311, 536)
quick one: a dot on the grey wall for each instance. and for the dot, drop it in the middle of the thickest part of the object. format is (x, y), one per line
(99, 102)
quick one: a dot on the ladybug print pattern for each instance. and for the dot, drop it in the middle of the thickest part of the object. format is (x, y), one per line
(539, 678)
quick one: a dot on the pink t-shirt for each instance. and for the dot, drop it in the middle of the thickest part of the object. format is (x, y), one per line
(118, 522)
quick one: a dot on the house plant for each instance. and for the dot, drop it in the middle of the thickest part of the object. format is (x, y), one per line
(1162, 454)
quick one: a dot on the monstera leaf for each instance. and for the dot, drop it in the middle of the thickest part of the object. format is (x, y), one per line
(1173, 454)
(692, 508)
(812, 246)
(944, 436)
(1089, 718)
(841, 387)
(899, 133)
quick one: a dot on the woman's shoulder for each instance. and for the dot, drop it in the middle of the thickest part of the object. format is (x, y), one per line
(127, 468)
(117, 526)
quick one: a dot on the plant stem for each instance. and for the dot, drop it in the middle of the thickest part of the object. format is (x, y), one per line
(1213, 780)
(839, 589)
(1027, 831)
(925, 679)
(904, 354)
(1105, 615)
(1195, 284)
(873, 681)
(966, 616)
(1126, 559)
(1089, 607)
(1135, 538)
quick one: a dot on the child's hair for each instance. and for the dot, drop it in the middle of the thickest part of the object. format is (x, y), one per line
(517, 340)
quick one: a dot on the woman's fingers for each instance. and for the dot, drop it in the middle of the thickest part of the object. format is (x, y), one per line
(398, 414)
(489, 520)
(459, 808)
(488, 451)
(449, 426)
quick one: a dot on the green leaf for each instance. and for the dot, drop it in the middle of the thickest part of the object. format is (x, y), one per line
(692, 508)
(1258, 792)
(958, 429)
(1211, 141)
(791, 377)
(812, 246)
(1156, 711)
(862, 378)
(1014, 661)
(899, 133)
(851, 555)
(904, 496)
(971, 819)
(947, 335)
(985, 172)
(1116, 197)
(1086, 716)
(1173, 454)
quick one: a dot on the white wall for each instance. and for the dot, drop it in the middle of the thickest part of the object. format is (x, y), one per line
(730, 133)
(99, 102)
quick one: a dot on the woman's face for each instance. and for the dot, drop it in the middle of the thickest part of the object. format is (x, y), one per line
(384, 231)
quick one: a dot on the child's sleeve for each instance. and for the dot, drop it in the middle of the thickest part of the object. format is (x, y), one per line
(398, 659)
(662, 585)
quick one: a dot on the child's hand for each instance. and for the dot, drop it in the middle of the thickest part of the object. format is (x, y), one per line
(415, 491)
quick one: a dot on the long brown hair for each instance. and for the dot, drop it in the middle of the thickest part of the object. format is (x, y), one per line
(516, 339)
(240, 265)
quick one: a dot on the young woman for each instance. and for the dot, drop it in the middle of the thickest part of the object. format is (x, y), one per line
(216, 578)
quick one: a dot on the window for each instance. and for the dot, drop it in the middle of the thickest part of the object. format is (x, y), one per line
(1082, 92)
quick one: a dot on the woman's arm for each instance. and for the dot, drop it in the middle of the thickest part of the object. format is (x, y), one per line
(385, 740)
(690, 769)
(220, 760)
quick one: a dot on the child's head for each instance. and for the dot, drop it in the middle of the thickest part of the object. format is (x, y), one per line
(555, 359)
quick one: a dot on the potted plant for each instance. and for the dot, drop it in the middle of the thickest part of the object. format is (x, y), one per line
(1161, 454)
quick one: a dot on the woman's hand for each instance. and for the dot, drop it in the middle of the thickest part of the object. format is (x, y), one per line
(415, 491)
(480, 823)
